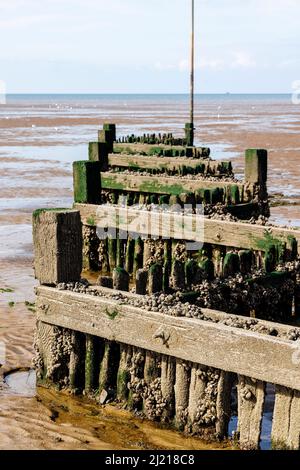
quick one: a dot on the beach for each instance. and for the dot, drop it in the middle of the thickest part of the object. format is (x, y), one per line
(40, 137)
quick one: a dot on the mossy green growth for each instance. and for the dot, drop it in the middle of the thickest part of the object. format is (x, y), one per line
(123, 380)
(6, 291)
(208, 268)
(87, 182)
(38, 212)
(205, 252)
(154, 186)
(155, 151)
(271, 245)
(30, 306)
(112, 315)
(166, 276)
(235, 194)
(11, 304)
(199, 169)
(134, 166)
(91, 221)
(153, 199)
(274, 279)
(164, 200)
(111, 182)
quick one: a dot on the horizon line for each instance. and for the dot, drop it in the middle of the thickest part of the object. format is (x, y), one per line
(143, 94)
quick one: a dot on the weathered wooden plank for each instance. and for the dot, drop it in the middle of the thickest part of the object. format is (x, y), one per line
(286, 420)
(136, 148)
(217, 232)
(214, 315)
(163, 163)
(159, 185)
(251, 399)
(246, 353)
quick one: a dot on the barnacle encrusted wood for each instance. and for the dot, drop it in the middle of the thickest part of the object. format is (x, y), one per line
(57, 237)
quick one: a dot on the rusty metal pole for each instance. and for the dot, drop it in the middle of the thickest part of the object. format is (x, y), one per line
(189, 128)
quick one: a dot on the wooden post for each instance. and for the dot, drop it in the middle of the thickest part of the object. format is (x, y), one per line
(192, 273)
(57, 238)
(87, 182)
(129, 256)
(92, 363)
(182, 386)
(251, 399)
(231, 264)
(111, 128)
(124, 372)
(121, 279)
(155, 279)
(197, 389)
(286, 420)
(223, 404)
(168, 372)
(109, 368)
(108, 136)
(151, 367)
(98, 152)
(178, 275)
(256, 166)
(247, 260)
(112, 253)
(141, 282)
(77, 362)
(138, 255)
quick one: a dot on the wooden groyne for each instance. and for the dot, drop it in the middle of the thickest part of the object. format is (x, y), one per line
(173, 328)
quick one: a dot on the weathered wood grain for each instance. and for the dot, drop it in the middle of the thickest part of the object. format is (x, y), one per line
(251, 399)
(162, 163)
(246, 353)
(217, 232)
(286, 420)
(159, 185)
(57, 237)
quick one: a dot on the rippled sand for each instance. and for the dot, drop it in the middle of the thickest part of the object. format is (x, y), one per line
(39, 140)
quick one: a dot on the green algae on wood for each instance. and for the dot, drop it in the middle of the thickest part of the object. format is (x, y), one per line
(87, 182)
(256, 166)
(92, 363)
(231, 264)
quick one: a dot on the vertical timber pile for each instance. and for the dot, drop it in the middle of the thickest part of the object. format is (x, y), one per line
(57, 236)
(256, 174)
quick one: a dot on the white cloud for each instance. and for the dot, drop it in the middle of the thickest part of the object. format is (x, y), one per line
(243, 60)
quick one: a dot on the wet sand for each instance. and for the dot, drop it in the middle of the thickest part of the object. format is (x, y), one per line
(39, 140)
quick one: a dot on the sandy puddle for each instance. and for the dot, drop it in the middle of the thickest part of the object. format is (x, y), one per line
(21, 383)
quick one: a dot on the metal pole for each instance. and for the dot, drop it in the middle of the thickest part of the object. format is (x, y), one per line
(192, 63)
(189, 127)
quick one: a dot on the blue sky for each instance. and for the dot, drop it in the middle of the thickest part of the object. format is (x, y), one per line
(128, 46)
